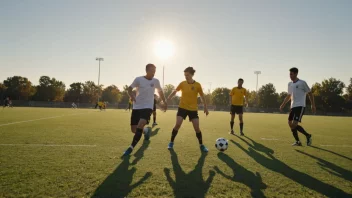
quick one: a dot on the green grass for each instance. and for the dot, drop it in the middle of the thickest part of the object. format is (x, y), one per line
(251, 167)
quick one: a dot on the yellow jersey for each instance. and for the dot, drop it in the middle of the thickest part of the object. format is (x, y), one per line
(189, 95)
(238, 95)
(100, 104)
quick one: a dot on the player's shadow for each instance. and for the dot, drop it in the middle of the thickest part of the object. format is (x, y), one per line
(189, 184)
(119, 183)
(154, 132)
(242, 175)
(330, 167)
(280, 167)
(332, 152)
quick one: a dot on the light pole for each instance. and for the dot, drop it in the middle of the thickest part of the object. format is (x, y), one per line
(99, 59)
(257, 73)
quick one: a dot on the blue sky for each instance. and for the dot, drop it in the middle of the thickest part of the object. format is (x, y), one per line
(222, 40)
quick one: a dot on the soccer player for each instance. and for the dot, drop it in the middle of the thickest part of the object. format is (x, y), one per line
(154, 111)
(129, 105)
(297, 91)
(237, 100)
(7, 102)
(189, 106)
(143, 104)
(74, 106)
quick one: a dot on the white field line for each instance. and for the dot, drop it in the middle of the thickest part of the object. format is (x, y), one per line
(47, 118)
(50, 145)
(337, 145)
(270, 139)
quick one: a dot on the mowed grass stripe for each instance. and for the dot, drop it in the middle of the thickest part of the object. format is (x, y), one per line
(250, 167)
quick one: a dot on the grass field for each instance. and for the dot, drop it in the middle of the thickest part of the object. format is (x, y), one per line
(77, 153)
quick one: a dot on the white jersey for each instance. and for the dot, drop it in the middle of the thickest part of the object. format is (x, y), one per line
(145, 92)
(298, 91)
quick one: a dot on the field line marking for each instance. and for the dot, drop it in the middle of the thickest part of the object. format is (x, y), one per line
(270, 139)
(47, 118)
(51, 145)
(336, 145)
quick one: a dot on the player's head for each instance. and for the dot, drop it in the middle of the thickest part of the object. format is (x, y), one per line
(240, 82)
(293, 73)
(150, 70)
(189, 73)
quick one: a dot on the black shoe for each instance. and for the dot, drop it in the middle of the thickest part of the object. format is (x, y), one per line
(309, 140)
(297, 144)
(232, 132)
(242, 134)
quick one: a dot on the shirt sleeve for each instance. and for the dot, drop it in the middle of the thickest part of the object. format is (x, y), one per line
(158, 86)
(306, 87)
(179, 87)
(289, 89)
(200, 90)
(231, 93)
(135, 83)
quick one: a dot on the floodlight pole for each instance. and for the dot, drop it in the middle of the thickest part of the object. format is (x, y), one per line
(257, 73)
(99, 59)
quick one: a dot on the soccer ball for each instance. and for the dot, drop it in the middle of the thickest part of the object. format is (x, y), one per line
(221, 144)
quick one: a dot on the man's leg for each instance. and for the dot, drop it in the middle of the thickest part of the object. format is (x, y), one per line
(240, 117)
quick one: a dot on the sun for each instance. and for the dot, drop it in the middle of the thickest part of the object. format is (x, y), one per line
(164, 49)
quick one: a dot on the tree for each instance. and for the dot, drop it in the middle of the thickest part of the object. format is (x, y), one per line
(74, 93)
(221, 97)
(2, 91)
(267, 96)
(252, 98)
(124, 95)
(50, 89)
(349, 90)
(168, 89)
(91, 92)
(18, 88)
(111, 94)
(281, 98)
(328, 95)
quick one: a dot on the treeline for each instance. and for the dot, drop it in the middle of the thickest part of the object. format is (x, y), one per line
(331, 95)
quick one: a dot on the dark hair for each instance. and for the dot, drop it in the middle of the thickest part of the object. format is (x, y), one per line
(241, 80)
(294, 70)
(190, 70)
(149, 66)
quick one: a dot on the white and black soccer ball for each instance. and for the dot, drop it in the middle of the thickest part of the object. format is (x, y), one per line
(221, 144)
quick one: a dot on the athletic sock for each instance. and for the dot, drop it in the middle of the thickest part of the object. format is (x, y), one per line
(154, 119)
(241, 127)
(301, 129)
(173, 135)
(137, 137)
(231, 124)
(199, 136)
(295, 134)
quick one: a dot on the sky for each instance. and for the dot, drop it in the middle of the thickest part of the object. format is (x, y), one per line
(223, 40)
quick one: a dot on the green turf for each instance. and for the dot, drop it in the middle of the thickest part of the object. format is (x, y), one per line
(251, 167)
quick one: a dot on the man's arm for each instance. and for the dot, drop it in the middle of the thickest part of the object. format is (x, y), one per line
(172, 95)
(288, 98)
(230, 99)
(162, 96)
(130, 93)
(312, 102)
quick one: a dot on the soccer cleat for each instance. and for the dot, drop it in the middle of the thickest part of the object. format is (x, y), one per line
(309, 140)
(170, 146)
(154, 124)
(203, 148)
(242, 134)
(128, 151)
(146, 133)
(298, 143)
(232, 132)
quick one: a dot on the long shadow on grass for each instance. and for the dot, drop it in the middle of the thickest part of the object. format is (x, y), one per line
(188, 184)
(119, 183)
(332, 152)
(242, 175)
(140, 153)
(278, 166)
(330, 167)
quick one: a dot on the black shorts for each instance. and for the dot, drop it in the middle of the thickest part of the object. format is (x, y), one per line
(296, 114)
(184, 113)
(236, 109)
(138, 114)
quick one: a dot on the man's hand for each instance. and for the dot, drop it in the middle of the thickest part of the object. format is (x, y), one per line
(206, 111)
(164, 106)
